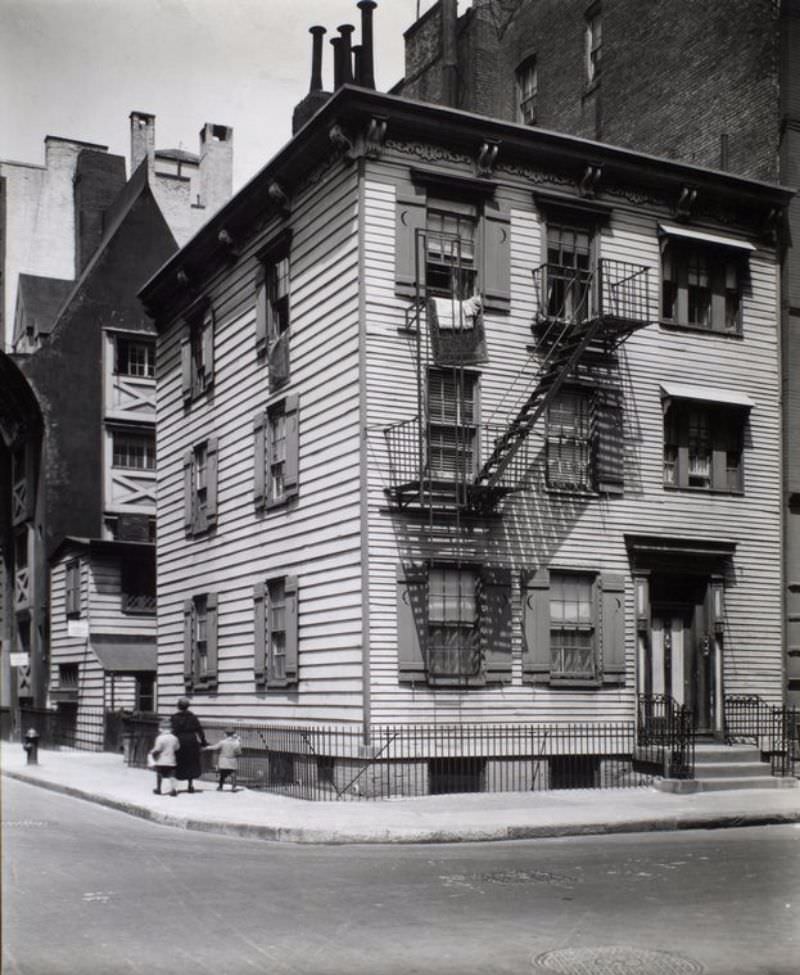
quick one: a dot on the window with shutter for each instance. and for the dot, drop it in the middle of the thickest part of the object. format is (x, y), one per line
(200, 486)
(200, 642)
(703, 446)
(702, 285)
(73, 589)
(585, 449)
(276, 640)
(197, 351)
(276, 432)
(273, 311)
(453, 241)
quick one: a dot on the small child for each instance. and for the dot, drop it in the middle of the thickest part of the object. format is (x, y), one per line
(228, 763)
(163, 755)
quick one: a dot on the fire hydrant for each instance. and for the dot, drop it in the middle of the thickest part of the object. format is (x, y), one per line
(31, 746)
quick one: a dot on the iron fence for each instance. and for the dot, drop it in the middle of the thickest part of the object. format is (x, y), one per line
(666, 735)
(774, 730)
(339, 763)
(78, 729)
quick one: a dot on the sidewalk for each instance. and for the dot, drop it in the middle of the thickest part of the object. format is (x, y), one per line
(103, 778)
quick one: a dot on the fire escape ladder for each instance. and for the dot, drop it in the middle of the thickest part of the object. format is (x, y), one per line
(555, 369)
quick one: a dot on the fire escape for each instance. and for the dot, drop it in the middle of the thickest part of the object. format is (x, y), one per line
(442, 460)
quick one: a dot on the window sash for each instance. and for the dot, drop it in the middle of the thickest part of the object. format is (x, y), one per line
(278, 297)
(136, 358)
(276, 453)
(569, 444)
(450, 258)
(703, 447)
(572, 626)
(453, 631)
(132, 451)
(276, 628)
(701, 287)
(200, 636)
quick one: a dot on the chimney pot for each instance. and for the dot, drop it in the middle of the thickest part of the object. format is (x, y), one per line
(317, 33)
(336, 44)
(358, 52)
(367, 52)
(346, 32)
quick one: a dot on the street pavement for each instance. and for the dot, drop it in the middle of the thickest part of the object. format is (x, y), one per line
(92, 891)
(103, 778)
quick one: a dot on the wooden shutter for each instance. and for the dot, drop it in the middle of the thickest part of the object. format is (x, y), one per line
(186, 363)
(612, 627)
(608, 441)
(208, 346)
(259, 459)
(212, 654)
(188, 492)
(260, 633)
(411, 216)
(495, 623)
(291, 485)
(212, 477)
(290, 602)
(536, 627)
(496, 258)
(188, 643)
(261, 310)
(412, 595)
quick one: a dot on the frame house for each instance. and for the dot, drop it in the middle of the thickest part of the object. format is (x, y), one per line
(434, 450)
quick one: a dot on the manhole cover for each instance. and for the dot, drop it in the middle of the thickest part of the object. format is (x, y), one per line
(615, 960)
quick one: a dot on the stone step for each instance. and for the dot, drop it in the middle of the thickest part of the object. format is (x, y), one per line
(732, 770)
(745, 782)
(726, 753)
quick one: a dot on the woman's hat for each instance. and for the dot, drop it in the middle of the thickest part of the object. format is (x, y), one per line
(183, 703)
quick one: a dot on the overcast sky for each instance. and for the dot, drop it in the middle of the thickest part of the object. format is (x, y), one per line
(77, 68)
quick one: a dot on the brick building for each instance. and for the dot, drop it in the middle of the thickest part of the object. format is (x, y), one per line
(716, 84)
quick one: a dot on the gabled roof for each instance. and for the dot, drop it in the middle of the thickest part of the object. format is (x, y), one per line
(181, 155)
(40, 299)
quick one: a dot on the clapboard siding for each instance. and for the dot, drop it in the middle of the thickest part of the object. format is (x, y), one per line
(540, 528)
(316, 538)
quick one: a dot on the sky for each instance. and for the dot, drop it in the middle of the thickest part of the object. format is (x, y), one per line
(78, 68)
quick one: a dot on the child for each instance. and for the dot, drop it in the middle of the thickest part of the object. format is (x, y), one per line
(227, 765)
(163, 755)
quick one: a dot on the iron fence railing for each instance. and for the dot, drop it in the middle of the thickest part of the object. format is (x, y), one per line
(79, 729)
(615, 290)
(415, 460)
(338, 763)
(666, 735)
(774, 730)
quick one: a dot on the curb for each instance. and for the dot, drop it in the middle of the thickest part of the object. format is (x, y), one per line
(320, 837)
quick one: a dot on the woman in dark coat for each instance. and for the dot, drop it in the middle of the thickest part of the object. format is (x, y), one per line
(189, 732)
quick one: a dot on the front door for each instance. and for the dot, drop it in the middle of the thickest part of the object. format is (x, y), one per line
(683, 662)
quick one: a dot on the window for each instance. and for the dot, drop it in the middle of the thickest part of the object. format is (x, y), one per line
(701, 286)
(200, 487)
(452, 428)
(197, 352)
(572, 644)
(527, 91)
(276, 636)
(569, 441)
(138, 584)
(136, 357)
(454, 624)
(703, 446)
(145, 693)
(134, 451)
(273, 314)
(276, 433)
(569, 271)
(594, 44)
(452, 240)
(573, 628)
(453, 621)
(450, 249)
(68, 676)
(73, 589)
(200, 642)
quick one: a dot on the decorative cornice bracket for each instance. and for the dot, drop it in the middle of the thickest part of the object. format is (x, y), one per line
(587, 187)
(686, 203)
(342, 142)
(487, 158)
(278, 196)
(376, 137)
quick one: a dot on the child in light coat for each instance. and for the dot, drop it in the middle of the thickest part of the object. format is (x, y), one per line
(163, 755)
(229, 748)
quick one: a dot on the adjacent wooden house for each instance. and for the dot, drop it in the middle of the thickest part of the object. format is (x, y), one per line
(463, 421)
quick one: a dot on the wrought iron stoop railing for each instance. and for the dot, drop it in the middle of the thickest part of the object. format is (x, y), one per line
(773, 729)
(578, 311)
(666, 735)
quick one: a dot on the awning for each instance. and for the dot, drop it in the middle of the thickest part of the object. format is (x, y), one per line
(125, 654)
(672, 230)
(708, 394)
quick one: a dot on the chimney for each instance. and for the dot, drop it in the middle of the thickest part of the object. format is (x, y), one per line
(316, 58)
(216, 166)
(143, 140)
(336, 44)
(358, 63)
(366, 75)
(316, 97)
(346, 51)
(449, 52)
